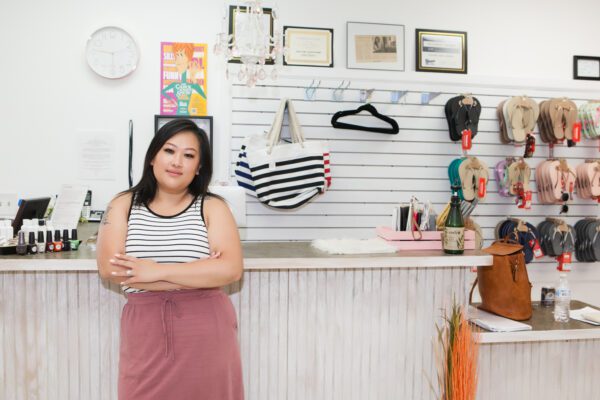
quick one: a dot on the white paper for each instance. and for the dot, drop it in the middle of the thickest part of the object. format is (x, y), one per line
(578, 314)
(495, 323)
(67, 209)
(97, 159)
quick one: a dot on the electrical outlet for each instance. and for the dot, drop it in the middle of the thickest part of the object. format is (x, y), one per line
(8, 205)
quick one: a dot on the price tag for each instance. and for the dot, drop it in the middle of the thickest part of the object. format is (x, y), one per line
(466, 139)
(537, 250)
(481, 188)
(564, 262)
(577, 131)
(528, 200)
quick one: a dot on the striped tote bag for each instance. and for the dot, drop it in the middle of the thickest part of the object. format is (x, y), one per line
(284, 175)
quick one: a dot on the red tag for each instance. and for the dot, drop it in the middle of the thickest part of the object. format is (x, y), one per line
(577, 131)
(527, 200)
(571, 187)
(564, 262)
(537, 250)
(481, 189)
(466, 139)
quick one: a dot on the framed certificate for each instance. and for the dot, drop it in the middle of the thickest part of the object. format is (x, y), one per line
(441, 51)
(375, 46)
(586, 68)
(308, 47)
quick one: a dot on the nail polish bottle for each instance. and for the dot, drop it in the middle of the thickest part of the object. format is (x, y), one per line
(65, 240)
(32, 247)
(74, 242)
(49, 243)
(21, 246)
(57, 242)
(41, 244)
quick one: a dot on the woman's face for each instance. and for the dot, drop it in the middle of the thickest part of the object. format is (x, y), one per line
(177, 162)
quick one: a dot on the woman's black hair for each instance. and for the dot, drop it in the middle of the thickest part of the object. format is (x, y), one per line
(145, 190)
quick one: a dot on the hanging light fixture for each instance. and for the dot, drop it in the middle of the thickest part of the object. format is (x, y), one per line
(252, 42)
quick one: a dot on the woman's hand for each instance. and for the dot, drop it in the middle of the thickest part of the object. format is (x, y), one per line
(140, 270)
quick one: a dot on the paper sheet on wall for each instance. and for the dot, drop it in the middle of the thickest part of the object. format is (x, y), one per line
(97, 155)
(67, 209)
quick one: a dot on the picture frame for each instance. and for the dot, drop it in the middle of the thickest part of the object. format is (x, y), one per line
(204, 122)
(586, 68)
(236, 13)
(441, 51)
(375, 46)
(308, 47)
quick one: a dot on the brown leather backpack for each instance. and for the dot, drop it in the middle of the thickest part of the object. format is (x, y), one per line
(504, 287)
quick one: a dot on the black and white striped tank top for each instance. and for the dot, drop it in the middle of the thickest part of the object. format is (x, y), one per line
(173, 239)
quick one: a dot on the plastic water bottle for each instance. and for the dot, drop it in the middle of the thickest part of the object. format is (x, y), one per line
(562, 300)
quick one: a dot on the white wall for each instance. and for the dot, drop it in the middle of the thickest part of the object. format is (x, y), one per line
(49, 93)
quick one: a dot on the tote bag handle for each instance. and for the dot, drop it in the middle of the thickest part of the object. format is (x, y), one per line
(275, 133)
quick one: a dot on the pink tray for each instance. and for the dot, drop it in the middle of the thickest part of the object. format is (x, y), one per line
(389, 234)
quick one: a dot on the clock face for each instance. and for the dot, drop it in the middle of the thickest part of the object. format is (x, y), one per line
(111, 53)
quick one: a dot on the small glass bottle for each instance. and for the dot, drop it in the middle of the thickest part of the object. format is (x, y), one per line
(454, 228)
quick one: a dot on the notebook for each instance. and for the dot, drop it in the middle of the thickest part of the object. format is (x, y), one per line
(495, 323)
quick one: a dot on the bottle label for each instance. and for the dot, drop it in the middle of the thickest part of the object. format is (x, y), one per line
(563, 292)
(454, 238)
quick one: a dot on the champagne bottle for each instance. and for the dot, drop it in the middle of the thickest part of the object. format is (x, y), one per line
(454, 228)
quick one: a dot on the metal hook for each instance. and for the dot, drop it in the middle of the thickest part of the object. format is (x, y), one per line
(310, 91)
(366, 95)
(396, 95)
(338, 94)
(427, 97)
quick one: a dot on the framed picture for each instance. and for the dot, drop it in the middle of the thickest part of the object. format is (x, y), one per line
(586, 68)
(238, 17)
(441, 51)
(308, 47)
(183, 78)
(205, 123)
(375, 46)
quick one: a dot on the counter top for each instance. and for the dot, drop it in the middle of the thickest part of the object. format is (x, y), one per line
(257, 256)
(544, 328)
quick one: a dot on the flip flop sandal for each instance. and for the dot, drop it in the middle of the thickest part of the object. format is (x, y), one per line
(505, 107)
(545, 123)
(595, 241)
(570, 115)
(583, 181)
(516, 113)
(501, 178)
(502, 123)
(498, 229)
(543, 237)
(569, 238)
(594, 182)
(450, 109)
(532, 115)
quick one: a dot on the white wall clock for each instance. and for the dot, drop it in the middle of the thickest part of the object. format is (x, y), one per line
(112, 53)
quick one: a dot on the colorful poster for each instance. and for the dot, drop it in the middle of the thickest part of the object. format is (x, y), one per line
(183, 78)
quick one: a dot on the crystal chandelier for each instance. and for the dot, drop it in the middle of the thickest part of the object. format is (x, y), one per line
(251, 42)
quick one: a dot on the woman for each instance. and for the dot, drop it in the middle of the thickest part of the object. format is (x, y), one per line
(172, 245)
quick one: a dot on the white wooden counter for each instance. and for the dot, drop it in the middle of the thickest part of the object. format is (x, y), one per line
(311, 326)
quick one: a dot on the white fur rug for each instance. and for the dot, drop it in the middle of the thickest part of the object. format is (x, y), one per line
(353, 246)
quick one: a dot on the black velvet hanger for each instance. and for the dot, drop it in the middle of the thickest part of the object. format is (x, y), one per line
(373, 111)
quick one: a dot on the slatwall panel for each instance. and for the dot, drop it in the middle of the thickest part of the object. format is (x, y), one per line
(372, 172)
(539, 370)
(304, 334)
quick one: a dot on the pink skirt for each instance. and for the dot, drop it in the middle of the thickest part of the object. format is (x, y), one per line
(179, 345)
